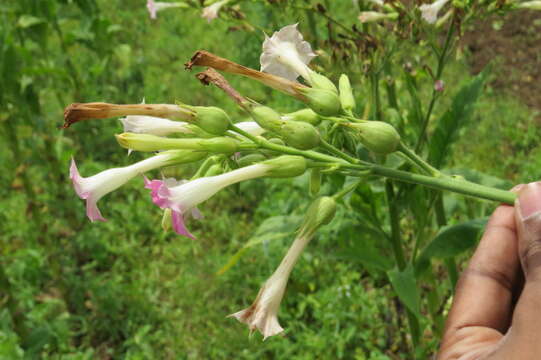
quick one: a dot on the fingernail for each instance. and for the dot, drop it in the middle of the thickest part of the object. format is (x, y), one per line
(529, 200)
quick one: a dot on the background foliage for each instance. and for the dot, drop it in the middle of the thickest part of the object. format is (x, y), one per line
(70, 289)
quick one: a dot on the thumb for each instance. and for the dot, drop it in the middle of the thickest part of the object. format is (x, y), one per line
(528, 221)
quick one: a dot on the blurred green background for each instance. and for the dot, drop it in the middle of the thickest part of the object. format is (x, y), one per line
(124, 289)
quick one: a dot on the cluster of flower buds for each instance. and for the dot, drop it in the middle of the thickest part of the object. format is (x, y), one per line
(271, 145)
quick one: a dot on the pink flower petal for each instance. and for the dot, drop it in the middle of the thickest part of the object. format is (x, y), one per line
(92, 211)
(76, 179)
(179, 226)
(158, 192)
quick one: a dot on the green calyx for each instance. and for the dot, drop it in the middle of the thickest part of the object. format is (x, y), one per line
(304, 115)
(211, 119)
(286, 166)
(320, 213)
(323, 102)
(377, 136)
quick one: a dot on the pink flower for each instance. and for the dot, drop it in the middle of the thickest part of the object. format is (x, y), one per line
(155, 6)
(182, 198)
(439, 85)
(95, 187)
(211, 12)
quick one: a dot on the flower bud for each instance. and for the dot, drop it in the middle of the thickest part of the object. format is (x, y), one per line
(210, 118)
(322, 82)
(346, 94)
(286, 166)
(300, 135)
(267, 118)
(315, 181)
(378, 136)
(251, 159)
(214, 170)
(304, 115)
(323, 102)
(166, 220)
(146, 142)
(320, 213)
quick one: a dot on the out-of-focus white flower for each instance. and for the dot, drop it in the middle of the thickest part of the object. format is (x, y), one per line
(211, 12)
(532, 5)
(429, 12)
(95, 187)
(155, 6)
(142, 124)
(374, 16)
(286, 54)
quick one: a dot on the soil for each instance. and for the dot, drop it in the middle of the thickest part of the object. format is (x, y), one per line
(513, 43)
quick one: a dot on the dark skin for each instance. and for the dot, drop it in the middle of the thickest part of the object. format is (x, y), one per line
(496, 311)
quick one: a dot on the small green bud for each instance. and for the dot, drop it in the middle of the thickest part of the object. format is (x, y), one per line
(267, 118)
(286, 166)
(378, 136)
(304, 115)
(323, 102)
(300, 135)
(214, 170)
(346, 94)
(315, 181)
(322, 82)
(251, 159)
(210, 118)
(320, 213)
(166, 220)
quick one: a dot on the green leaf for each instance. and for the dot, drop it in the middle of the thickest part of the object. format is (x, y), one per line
(454, 119)
(273, 228)
(26, 21)
(450, 242)
(405, 286)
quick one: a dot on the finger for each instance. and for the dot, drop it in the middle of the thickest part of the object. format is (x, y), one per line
(484, 293)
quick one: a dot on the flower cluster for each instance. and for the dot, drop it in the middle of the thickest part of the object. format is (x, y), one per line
(271, 144)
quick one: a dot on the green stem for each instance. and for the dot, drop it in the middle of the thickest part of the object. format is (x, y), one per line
(439, 71)
(336, 152)
(339, 195)
(443, 183)
(417, 160)
(398, 251)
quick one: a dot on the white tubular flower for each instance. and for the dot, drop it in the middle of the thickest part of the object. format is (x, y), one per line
(183, 199)
(286, 54)
(142, 124)
(429, 12)
(211, 12)
(251, 127)
(154, 7)
(374, 16)
(95, 187)
(263, 313)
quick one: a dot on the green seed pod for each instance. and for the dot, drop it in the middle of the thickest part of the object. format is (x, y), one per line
(300, 135)
(315, 181)
(323, 102)
(251, 159)
(322, 82)
(286, 166)
(304, 115)
(378, 136)
(346, 94)
(267, 118)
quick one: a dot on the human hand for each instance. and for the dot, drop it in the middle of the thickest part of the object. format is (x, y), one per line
(496, 310)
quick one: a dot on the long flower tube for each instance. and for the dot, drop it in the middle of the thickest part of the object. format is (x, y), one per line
(142, 124)
(93, 188)
(181, 199)
(154, 7)
(263, 313)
